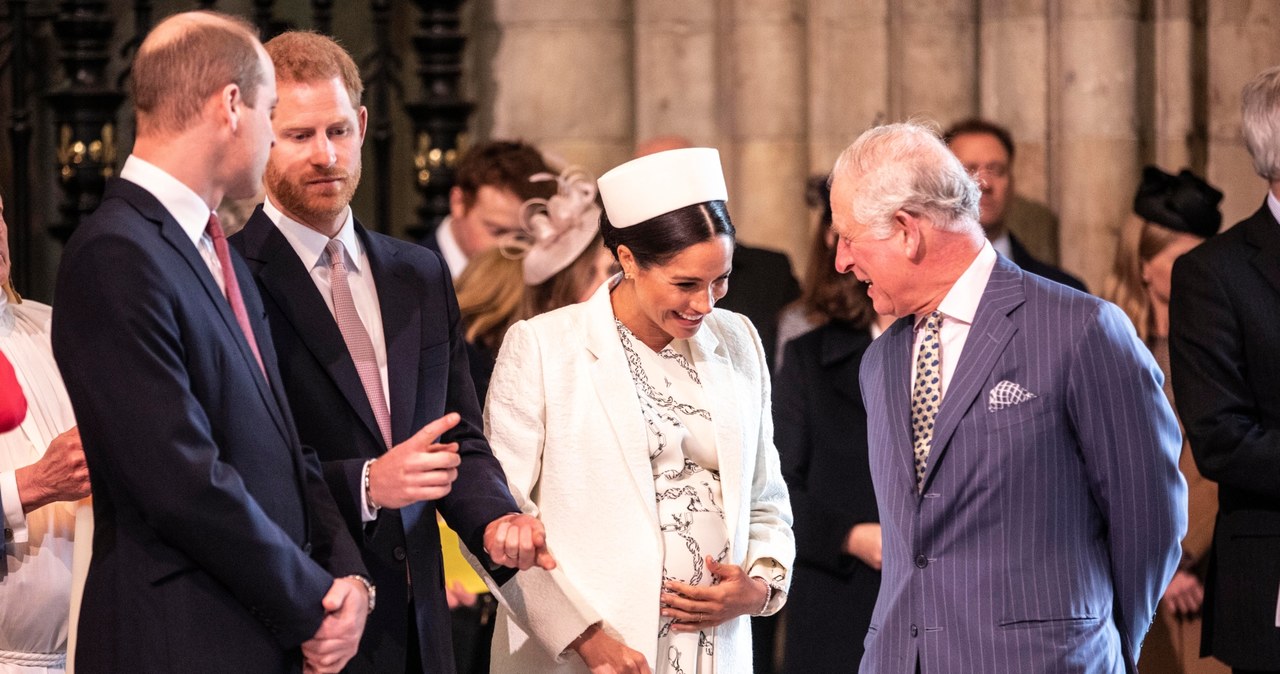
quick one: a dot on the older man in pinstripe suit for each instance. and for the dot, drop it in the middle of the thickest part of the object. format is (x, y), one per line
(1025, 459)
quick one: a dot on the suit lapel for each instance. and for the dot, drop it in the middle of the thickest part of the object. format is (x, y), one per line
(289, 283)
(988, 337)
(173, 234)
(711, 361)
(897, 395)
(398, 299)
(613, 385)
(1262, 231)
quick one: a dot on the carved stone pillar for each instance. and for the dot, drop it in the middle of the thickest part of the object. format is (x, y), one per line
(440, 115)
(84, 110)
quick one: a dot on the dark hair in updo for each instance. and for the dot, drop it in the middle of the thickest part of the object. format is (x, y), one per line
(656, 240)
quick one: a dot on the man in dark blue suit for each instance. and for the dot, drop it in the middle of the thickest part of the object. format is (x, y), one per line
(1024, 456)
(217, 546)
(367, 329)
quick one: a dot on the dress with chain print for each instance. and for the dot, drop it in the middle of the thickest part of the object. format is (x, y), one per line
(686, 483)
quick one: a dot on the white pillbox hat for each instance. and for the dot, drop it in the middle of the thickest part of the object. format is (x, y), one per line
(649, 186)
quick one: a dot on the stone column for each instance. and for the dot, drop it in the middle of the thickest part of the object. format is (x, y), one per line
(677, 72)
(562, 78)
(1093, 124)
(848, 63)
(933, 60)
(1013, 85)
(1241, 44)
(766, 96)
(1171, 103)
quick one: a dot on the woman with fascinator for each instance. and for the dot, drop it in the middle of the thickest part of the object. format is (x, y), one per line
(636, 426)
(1171, 215)
(555, 260)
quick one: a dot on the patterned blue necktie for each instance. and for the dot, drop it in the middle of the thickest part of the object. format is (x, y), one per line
(926, 395)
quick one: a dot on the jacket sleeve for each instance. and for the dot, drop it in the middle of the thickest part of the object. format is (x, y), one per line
(1231, 444)
(1129, 441)
(770, 529)
(545, 603)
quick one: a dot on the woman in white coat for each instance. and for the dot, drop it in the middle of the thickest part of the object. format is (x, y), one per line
(636, 425)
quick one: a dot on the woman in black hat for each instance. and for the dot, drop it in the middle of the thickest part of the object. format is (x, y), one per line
(1172, 215)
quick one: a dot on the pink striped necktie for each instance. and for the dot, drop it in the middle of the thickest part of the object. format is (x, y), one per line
(231, 286)
(357, 338)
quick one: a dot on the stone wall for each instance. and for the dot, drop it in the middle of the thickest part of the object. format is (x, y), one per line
(1091, 89)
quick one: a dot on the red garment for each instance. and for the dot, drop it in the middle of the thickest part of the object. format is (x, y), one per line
(13, 404)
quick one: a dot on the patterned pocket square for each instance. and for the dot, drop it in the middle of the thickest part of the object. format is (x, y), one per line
(1007, 394)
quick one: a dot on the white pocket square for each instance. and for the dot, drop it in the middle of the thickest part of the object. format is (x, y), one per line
(1007, 394)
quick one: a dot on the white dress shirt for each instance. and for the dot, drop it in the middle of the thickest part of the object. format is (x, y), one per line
(958, 309)
(310, 245)
(35, 584)
(191, 212)
(449, 248)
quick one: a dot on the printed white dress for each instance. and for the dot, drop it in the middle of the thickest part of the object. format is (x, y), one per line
(686, 484)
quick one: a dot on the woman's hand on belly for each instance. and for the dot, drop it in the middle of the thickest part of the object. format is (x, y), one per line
(698, 607)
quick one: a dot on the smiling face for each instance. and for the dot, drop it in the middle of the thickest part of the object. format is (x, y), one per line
(880, 263)
(315, 165)
(670, 301)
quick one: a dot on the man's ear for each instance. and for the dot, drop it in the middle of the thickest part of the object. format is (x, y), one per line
(457, 203)
(911, 228)
(230, 105)
(363, 116)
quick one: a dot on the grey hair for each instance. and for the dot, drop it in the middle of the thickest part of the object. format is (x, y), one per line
(907, 167)
(1260, 114)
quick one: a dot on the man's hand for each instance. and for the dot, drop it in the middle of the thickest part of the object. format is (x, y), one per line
(346, 606)
(456, 594)
(518, 541)
(60, 475)
(863, 542)
(698, 607)
(605, 655)
(418, 469)
(1184, 596)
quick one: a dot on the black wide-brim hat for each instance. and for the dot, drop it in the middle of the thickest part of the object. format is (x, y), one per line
(1182, 203)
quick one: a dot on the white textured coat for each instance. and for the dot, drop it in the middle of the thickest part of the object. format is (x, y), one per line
(563, 418)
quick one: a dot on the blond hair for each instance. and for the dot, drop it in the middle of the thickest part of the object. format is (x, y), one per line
(1139, 242)
(490, 293)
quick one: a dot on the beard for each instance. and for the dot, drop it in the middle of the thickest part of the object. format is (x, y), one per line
(312, 209)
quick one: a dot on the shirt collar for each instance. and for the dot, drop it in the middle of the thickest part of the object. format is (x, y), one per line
(1274, 205)
(1003, 245)
(186, 207)
(961, 301)
(310, 244)
(449, 248)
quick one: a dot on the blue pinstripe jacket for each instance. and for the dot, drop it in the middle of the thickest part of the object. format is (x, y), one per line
(1047, 530)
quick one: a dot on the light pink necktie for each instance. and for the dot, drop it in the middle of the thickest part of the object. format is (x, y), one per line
(231, 286)
(357, 339)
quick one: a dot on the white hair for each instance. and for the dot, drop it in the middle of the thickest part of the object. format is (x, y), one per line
(1260, 116)
(907, 167)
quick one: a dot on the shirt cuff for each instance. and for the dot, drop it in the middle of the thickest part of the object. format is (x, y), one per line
(15, 521)
(367, 512)
(770, 571)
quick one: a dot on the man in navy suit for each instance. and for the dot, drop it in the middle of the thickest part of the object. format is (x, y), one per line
(367, 329)
(217, 546)
(1024, 456)
(1223, 342)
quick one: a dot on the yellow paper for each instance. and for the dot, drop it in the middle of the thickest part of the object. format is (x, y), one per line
(456, 568)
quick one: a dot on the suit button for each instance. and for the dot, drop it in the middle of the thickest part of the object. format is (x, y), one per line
(922, 561)
(306, 548)
(915, 631)
(399, 553)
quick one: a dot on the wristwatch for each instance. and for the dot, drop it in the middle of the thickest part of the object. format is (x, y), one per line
(368, 585)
